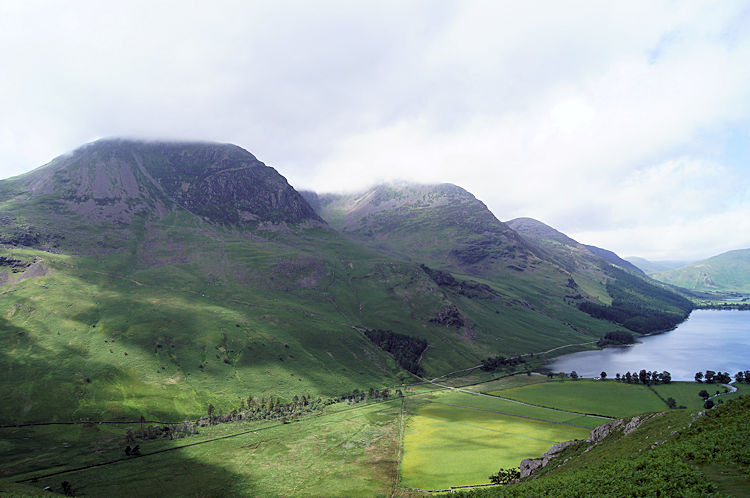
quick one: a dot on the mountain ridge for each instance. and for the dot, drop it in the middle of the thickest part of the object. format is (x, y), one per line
(728, 271)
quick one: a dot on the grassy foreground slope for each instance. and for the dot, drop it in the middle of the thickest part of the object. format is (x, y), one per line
(729, 271)
(670, 454)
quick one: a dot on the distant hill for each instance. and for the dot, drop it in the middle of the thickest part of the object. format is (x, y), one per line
(629, 298)
(611, 257)
(729, 271)
(650, 267)
(566, 251)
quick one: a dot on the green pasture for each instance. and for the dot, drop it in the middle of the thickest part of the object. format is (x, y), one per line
(350, 450)
(610, 398)
(686, 393)
(457, 438)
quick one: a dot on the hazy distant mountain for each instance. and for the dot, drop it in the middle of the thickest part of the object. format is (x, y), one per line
(650, 267)
(611, 257)
(729, 271)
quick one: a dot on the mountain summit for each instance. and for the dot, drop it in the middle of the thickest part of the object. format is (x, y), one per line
(115, 180)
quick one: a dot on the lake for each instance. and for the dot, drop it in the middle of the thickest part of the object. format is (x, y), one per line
(707, 340)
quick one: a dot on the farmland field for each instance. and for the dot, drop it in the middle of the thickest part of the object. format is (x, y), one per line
(456, 438)
(610, 398)
(686, 393)
(349, 450)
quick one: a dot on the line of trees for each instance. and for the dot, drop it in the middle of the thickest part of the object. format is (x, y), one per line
(711, 377)
(493, 363)
(405, 349)
(644, 377)
(616, 338)
(357, 396)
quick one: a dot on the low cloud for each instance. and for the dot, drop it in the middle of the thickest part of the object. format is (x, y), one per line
(585, 115)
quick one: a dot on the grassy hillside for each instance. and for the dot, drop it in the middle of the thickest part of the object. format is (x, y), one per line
(629, 298)
(669, 454)
(124, 294)
(729, 271)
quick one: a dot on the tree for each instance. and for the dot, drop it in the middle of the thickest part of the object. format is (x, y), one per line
(739, 376)
(703, 394)
(699, 376)
(603, 375)
(211, 409)
(671, 402)
(574, 375)
(709, 376)
(617, 377)
(708, 404)
(67, 488)
(666, 377)
(505, 476)
(643, 377)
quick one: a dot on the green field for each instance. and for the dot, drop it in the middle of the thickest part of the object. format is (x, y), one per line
(455, 438)
(432, 439)
(610, 398)
(349, 450)
(686, 393)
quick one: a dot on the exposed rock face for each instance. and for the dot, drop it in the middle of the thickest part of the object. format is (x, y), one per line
(449, 316)
(429, 223)
(468, 288)
(531, 465)
(116, 180)
(603, 431)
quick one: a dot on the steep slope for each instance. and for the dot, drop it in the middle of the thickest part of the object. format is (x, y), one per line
(612, 258)
(675, 453)
(442, 224)
(729, 271)
(448, 229)
(631, 299)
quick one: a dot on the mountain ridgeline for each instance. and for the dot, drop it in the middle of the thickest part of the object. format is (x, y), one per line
(727, 272)
(635, 301)
(155, 279)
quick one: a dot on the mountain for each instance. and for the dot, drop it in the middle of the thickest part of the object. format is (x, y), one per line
(448, 228)
(729, 271)
(155, 279)
(629, 298)
(442, 224)
(149, 278)
(612, 258)
(650, 267)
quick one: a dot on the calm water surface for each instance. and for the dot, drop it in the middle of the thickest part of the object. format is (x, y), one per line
(708, 340)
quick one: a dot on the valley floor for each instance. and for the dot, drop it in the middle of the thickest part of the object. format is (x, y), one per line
(433, 438)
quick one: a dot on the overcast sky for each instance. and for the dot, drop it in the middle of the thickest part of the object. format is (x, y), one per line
(624, 124)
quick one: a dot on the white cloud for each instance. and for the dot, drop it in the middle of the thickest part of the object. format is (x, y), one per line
(570, 112)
